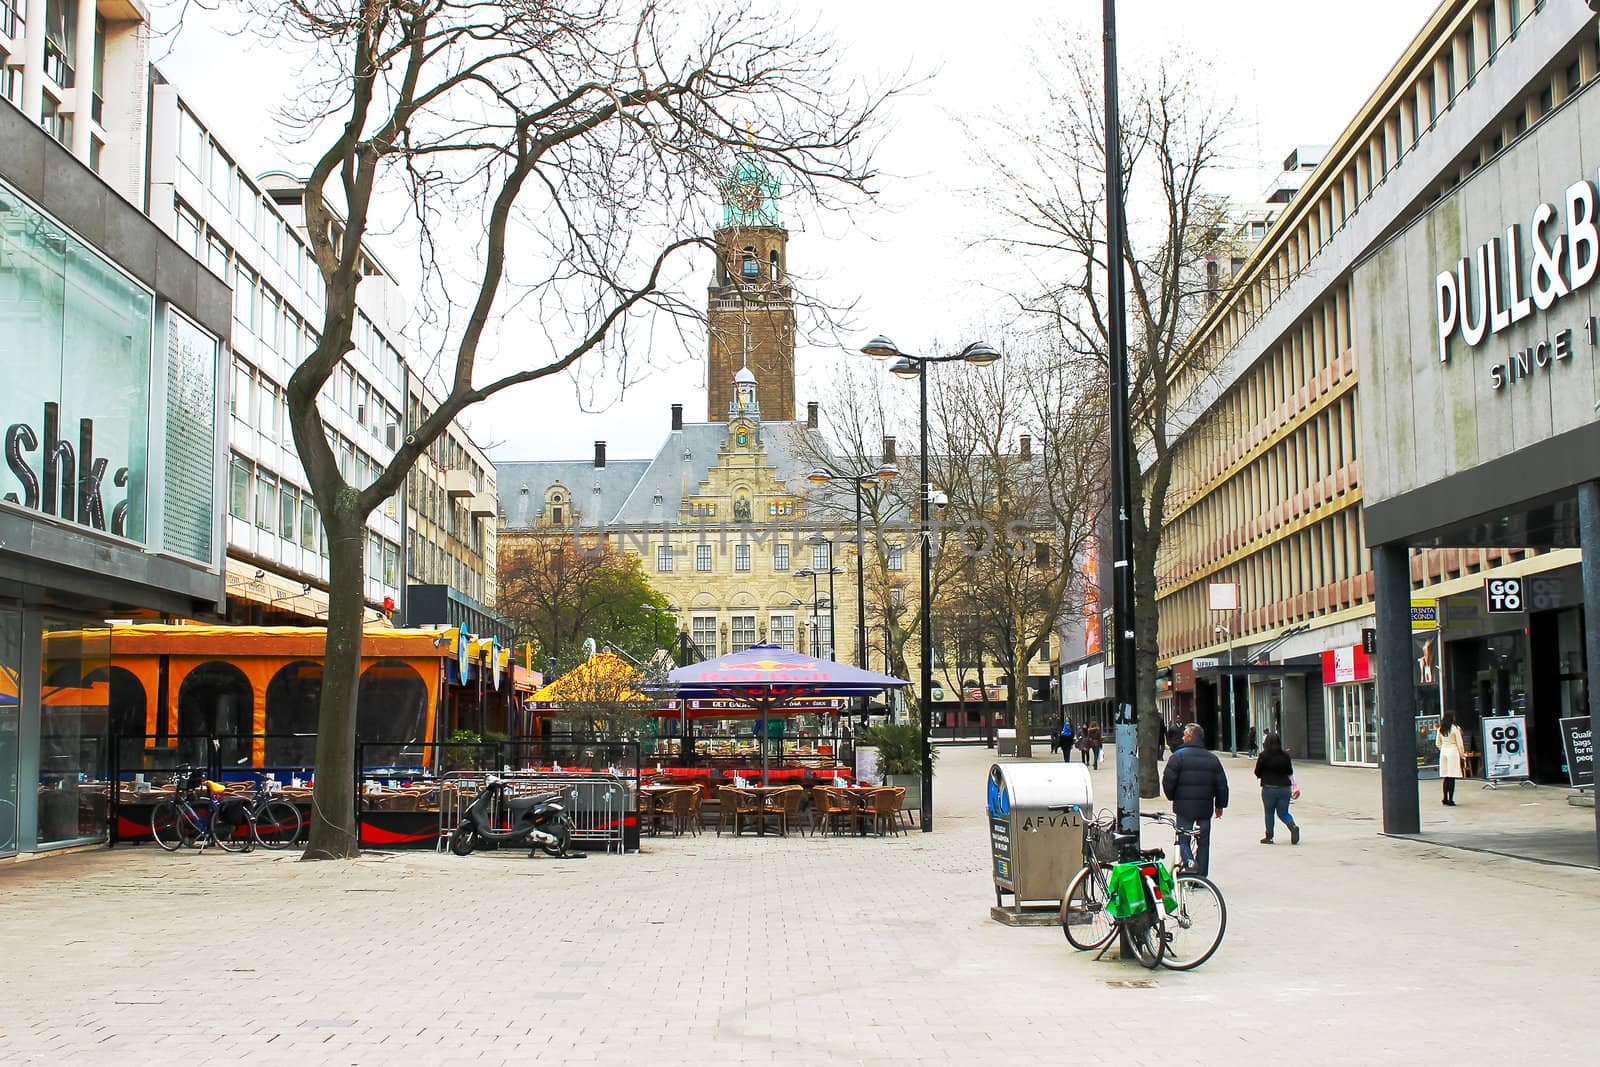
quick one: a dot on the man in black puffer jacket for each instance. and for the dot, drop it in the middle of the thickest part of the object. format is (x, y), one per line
(1198, 789)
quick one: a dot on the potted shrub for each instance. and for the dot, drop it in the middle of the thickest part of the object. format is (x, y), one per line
(900, 757)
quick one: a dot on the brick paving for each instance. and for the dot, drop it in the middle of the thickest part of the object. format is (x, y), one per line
(1352, 946)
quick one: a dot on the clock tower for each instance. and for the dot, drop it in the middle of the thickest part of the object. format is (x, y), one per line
(749, 304)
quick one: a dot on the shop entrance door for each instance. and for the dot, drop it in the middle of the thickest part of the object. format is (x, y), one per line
(1353, 724)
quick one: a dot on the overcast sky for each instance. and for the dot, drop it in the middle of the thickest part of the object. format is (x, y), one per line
(907, 262)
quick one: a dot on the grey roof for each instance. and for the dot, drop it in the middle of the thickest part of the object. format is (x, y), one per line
(628, 488)
(581, 477)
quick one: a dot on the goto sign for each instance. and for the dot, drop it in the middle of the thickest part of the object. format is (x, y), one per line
(1504, 595)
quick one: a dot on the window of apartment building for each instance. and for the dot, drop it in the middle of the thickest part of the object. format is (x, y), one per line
(244, 298)
(219, 175)
(391, 563)
(703, 631)
(780, 557)
(702, 557)
(374, 555)
(266, 499)
(308, 522)
(663, 557)
(782, 631)
(288, 510)
(239, 488)
(897, 557)
(741, 557)
(743, 631)
(819, 556)
(239, 400)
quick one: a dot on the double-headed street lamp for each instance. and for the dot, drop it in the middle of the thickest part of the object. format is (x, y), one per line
(883, 473)
(813, 574)
(909, 366)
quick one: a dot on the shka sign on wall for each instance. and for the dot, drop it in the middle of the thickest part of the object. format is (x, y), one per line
(75, 340)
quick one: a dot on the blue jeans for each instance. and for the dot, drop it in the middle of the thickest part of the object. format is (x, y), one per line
(1200, 863)
(1275, 801)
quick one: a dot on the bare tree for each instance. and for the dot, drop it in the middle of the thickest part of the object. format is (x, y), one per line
(1019, 455)
(572, 150)
(1054, 176)
(558, 590)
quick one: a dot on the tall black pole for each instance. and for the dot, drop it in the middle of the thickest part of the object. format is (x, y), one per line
(833, 608)
(1126, 679)
(861, 600)
(861, 589)
(926, 816)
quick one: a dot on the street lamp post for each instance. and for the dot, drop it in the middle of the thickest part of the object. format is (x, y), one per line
(1121, 451)
(884, 472)
(908, 366)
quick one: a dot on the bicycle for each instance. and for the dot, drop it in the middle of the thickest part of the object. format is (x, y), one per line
(275, 822)
(180, 823)
(1172, 918)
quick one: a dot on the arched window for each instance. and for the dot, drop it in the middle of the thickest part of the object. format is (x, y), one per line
(772, 259)
(749, 266)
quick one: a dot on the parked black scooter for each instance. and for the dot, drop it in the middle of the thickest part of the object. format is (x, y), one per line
(541, 820)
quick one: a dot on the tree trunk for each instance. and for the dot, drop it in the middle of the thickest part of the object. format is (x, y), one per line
(333, 815)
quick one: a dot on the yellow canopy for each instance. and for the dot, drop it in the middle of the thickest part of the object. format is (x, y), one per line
(602, 679)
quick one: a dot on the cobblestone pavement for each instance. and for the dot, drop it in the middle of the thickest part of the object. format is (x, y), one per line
(1350, 947)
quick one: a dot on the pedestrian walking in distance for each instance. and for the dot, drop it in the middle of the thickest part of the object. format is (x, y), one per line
(1250, 740)
(1092, 744)
(1175, 735)
(1065, 739)
(1195, 783)
(1451, 751)
(1276, 771)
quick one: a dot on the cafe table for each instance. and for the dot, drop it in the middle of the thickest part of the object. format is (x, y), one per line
(858, 796)
(763, 795)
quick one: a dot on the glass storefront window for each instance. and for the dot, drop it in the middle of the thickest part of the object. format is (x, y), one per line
(74, 724)
(75, 351)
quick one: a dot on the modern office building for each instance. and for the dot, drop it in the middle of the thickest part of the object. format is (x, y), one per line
(1274, 491)
(250, 232)
(111, 342)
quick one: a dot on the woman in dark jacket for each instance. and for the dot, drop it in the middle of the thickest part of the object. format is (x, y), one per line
(1276, 771)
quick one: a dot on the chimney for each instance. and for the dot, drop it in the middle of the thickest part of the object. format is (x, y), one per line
(677, 416)
(599, 455)
(811, 415)
(1025, 446)
(888, 450)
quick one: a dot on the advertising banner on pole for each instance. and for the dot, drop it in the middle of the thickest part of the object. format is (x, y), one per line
(1505, 747)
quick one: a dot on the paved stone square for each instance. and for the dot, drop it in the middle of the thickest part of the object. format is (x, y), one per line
(1352, 947)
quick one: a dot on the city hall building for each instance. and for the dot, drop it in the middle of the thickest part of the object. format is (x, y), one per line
(1405, 361)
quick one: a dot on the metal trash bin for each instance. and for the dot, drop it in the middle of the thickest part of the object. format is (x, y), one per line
(1007, 740)
(1035, 851)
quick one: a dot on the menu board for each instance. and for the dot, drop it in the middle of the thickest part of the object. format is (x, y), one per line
(1427, 746)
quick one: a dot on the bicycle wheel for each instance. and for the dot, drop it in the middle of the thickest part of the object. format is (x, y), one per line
(1147, 935)
(1084, 918)
(277, 824)
(233, 836)
(171, 826)
(1195, 929)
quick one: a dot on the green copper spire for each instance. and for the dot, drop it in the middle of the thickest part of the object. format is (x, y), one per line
(750, 196)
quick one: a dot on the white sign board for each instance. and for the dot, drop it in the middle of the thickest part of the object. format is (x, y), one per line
(1505, 747)
(1224, 596)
